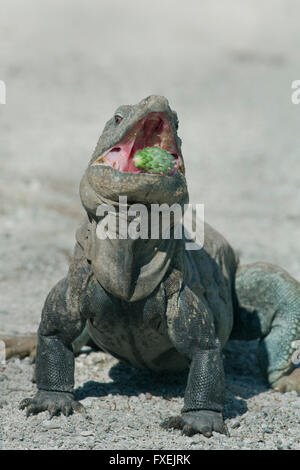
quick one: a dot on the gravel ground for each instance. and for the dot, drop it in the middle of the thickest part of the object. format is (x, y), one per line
(227, 68)
(124, 409)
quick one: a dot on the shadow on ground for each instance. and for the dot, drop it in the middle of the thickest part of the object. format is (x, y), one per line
(243, 379)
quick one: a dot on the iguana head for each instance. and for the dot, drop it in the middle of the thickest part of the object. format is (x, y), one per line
(111, 172)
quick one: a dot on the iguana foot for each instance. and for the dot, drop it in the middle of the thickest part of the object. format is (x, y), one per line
(54, 402)
(288, 383)
(202, 421)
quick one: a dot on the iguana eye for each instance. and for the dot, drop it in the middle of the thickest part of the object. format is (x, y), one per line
(118, 118)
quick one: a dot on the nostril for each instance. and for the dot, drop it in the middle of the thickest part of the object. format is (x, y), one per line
(116, 149)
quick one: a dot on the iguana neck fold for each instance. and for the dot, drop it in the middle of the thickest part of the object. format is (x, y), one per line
(128, 268)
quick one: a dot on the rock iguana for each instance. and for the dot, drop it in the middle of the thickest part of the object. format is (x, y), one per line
(152, 302)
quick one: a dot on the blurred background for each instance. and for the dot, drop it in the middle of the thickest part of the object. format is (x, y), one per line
(226, 68)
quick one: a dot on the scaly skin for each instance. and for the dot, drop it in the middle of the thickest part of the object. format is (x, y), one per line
(152, 302)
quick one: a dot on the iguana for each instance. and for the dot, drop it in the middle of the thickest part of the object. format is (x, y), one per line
(153, 302)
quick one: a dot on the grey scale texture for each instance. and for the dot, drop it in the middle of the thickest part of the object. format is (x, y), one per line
(251, 172)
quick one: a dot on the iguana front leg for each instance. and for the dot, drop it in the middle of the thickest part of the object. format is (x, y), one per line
(55, 359)
(61, 324)
(192, 331)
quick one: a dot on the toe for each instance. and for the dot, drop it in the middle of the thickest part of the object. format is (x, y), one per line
(175, 422)
(220, 426)
(32, 409)
(205, 429)
(24, 403)
(53, 410)
(188, 430)
(67, 409)
(78, 407)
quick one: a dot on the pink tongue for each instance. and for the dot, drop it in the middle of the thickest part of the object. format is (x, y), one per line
(119, 158)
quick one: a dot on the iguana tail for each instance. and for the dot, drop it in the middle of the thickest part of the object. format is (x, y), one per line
(22, 346)
(268, 308)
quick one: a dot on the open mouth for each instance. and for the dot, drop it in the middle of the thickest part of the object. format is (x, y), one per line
(152, 130)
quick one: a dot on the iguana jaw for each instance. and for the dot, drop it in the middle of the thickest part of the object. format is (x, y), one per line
(102, 182)
(154, 129)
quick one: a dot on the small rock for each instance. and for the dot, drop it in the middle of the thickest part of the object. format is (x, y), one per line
(267, 430)
(86, 433)
(47, 424)
(279, 444)
(282, 444)
(235, 424)
(111, 419)
(133, 400)
(70, 431)
(28, 360)
(148, 396)
(3, 377)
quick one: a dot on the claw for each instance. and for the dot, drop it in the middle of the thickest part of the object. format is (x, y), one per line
(198, 421)
(188, 430)
(53, 410)
(76, 406)
(226, 431)
(174, 422)
(24, 403)
(67, 410)
(54, 402)
(206, 431)
(31, 409)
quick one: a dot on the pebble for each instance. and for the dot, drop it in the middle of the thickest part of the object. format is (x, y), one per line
(28, 360)
(282, 444)
(235, 424)
(267, 430)
(266, 425)
(86, 433)
(48, 424)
